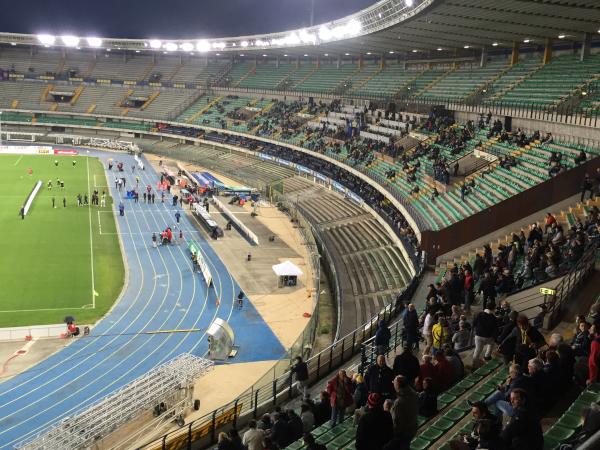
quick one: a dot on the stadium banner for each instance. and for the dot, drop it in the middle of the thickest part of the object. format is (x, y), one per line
(139, 161)
(338, 187)
(27, 149)
(354, 197)
(64, 151)
(322, 177)
(304, 169)
(237, 222)
(286, 162)
(265, 156)
(195, 249)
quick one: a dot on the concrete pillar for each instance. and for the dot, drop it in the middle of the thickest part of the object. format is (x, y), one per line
(360, 62)
(277, 62)
(483, 59)
(585, 46)
(382, 61)
(297, 62)
(339, 61)
(547, 51)
(514, 57)
(318, 63)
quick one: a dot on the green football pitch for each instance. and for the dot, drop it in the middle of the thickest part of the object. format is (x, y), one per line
(56, 262)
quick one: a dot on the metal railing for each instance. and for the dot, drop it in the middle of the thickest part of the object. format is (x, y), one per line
(573, 279)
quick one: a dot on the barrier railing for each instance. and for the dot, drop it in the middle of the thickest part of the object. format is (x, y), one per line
(572, 280)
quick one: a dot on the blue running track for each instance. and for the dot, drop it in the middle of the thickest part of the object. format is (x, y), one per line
(161, 293)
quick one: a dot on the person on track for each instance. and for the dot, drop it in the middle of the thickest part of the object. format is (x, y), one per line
(154, 244)
(177, 216)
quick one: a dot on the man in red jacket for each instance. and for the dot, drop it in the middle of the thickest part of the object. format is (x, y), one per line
(340, 396)
(594, 358)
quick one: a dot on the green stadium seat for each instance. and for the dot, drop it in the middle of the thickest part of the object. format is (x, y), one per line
(443, 424)
(431, 434)
(454, 414)
(559, 433)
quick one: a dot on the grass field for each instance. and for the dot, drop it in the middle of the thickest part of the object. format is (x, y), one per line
(52, 262)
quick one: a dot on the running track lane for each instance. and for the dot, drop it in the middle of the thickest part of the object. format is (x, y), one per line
(161, 293)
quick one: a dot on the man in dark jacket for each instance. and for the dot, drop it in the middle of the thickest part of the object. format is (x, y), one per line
(382, 338)
(523, 431)
(375, 427)
(300, 369)
(280, 432)
(485, 326)
(407, 365)
(411, 326)
(404, 412)
(379, 378)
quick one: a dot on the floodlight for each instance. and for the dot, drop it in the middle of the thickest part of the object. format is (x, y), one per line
(218, 45)
(187, 47)
(264, 55)
(325, 33)
(353, 28)
(244, 44)
(202, 46)
(46, 39)
(391, 52)
(408, 3)
(94, 41)
(415, 50)
(292, 39)
(13, 44)
(326, 54)
(526, 41)
(368, 53)
(171, 46)
(561, 36)
(307, 38)
(439, 49)
(494, 44)
(467, 46)
(155, 43)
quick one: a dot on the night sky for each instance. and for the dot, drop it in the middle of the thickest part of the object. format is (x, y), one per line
(168, 18)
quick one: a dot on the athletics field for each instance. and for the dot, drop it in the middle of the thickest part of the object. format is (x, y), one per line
(59, 260)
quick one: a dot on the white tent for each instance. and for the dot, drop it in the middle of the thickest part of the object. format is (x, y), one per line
(287, 269)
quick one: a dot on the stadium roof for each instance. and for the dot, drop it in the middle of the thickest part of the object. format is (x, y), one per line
(389, 26)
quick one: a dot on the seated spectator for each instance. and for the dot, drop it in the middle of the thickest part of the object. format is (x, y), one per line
(427, 399)
(462, 338)
(295, 425)
(523, 431)
(307, 417)
(265, 423)
(539, 401)
(444, 373)
(375, 427)
(311, 444)
(407, 365)
(427, 370)
(458, 367)
(280, 433)
(480, 414)
(500, 399)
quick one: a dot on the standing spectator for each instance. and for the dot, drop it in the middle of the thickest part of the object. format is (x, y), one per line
(300, 369)
(295, 426)
(375, 427)
(486, 329)
(382, 338)
(458, 367)
(440, 334)
(339, 389)
(253, 438)
(594, 358)
(224, 443)
(404, 413)
(360, 392)
(427, 326)
(487, 288)
(444, 373)
(379, 378)
(460, 339)
(581, 341)
(411, 326)
(322, 409)
(177, 216)
(586, 185)
(469, 288)
(406, 364)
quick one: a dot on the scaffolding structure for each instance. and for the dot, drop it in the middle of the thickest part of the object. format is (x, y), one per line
(166, 389)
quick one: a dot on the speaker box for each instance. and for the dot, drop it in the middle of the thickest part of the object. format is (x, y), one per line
(508, 123)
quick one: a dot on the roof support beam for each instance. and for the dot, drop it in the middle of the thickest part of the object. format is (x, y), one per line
(514, 57)
(547, 51)
(586, 45)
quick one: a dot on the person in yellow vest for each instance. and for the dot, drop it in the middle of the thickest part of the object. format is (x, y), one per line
(440, 334)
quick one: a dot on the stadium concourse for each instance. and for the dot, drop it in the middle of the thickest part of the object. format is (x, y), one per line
(161, 293)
